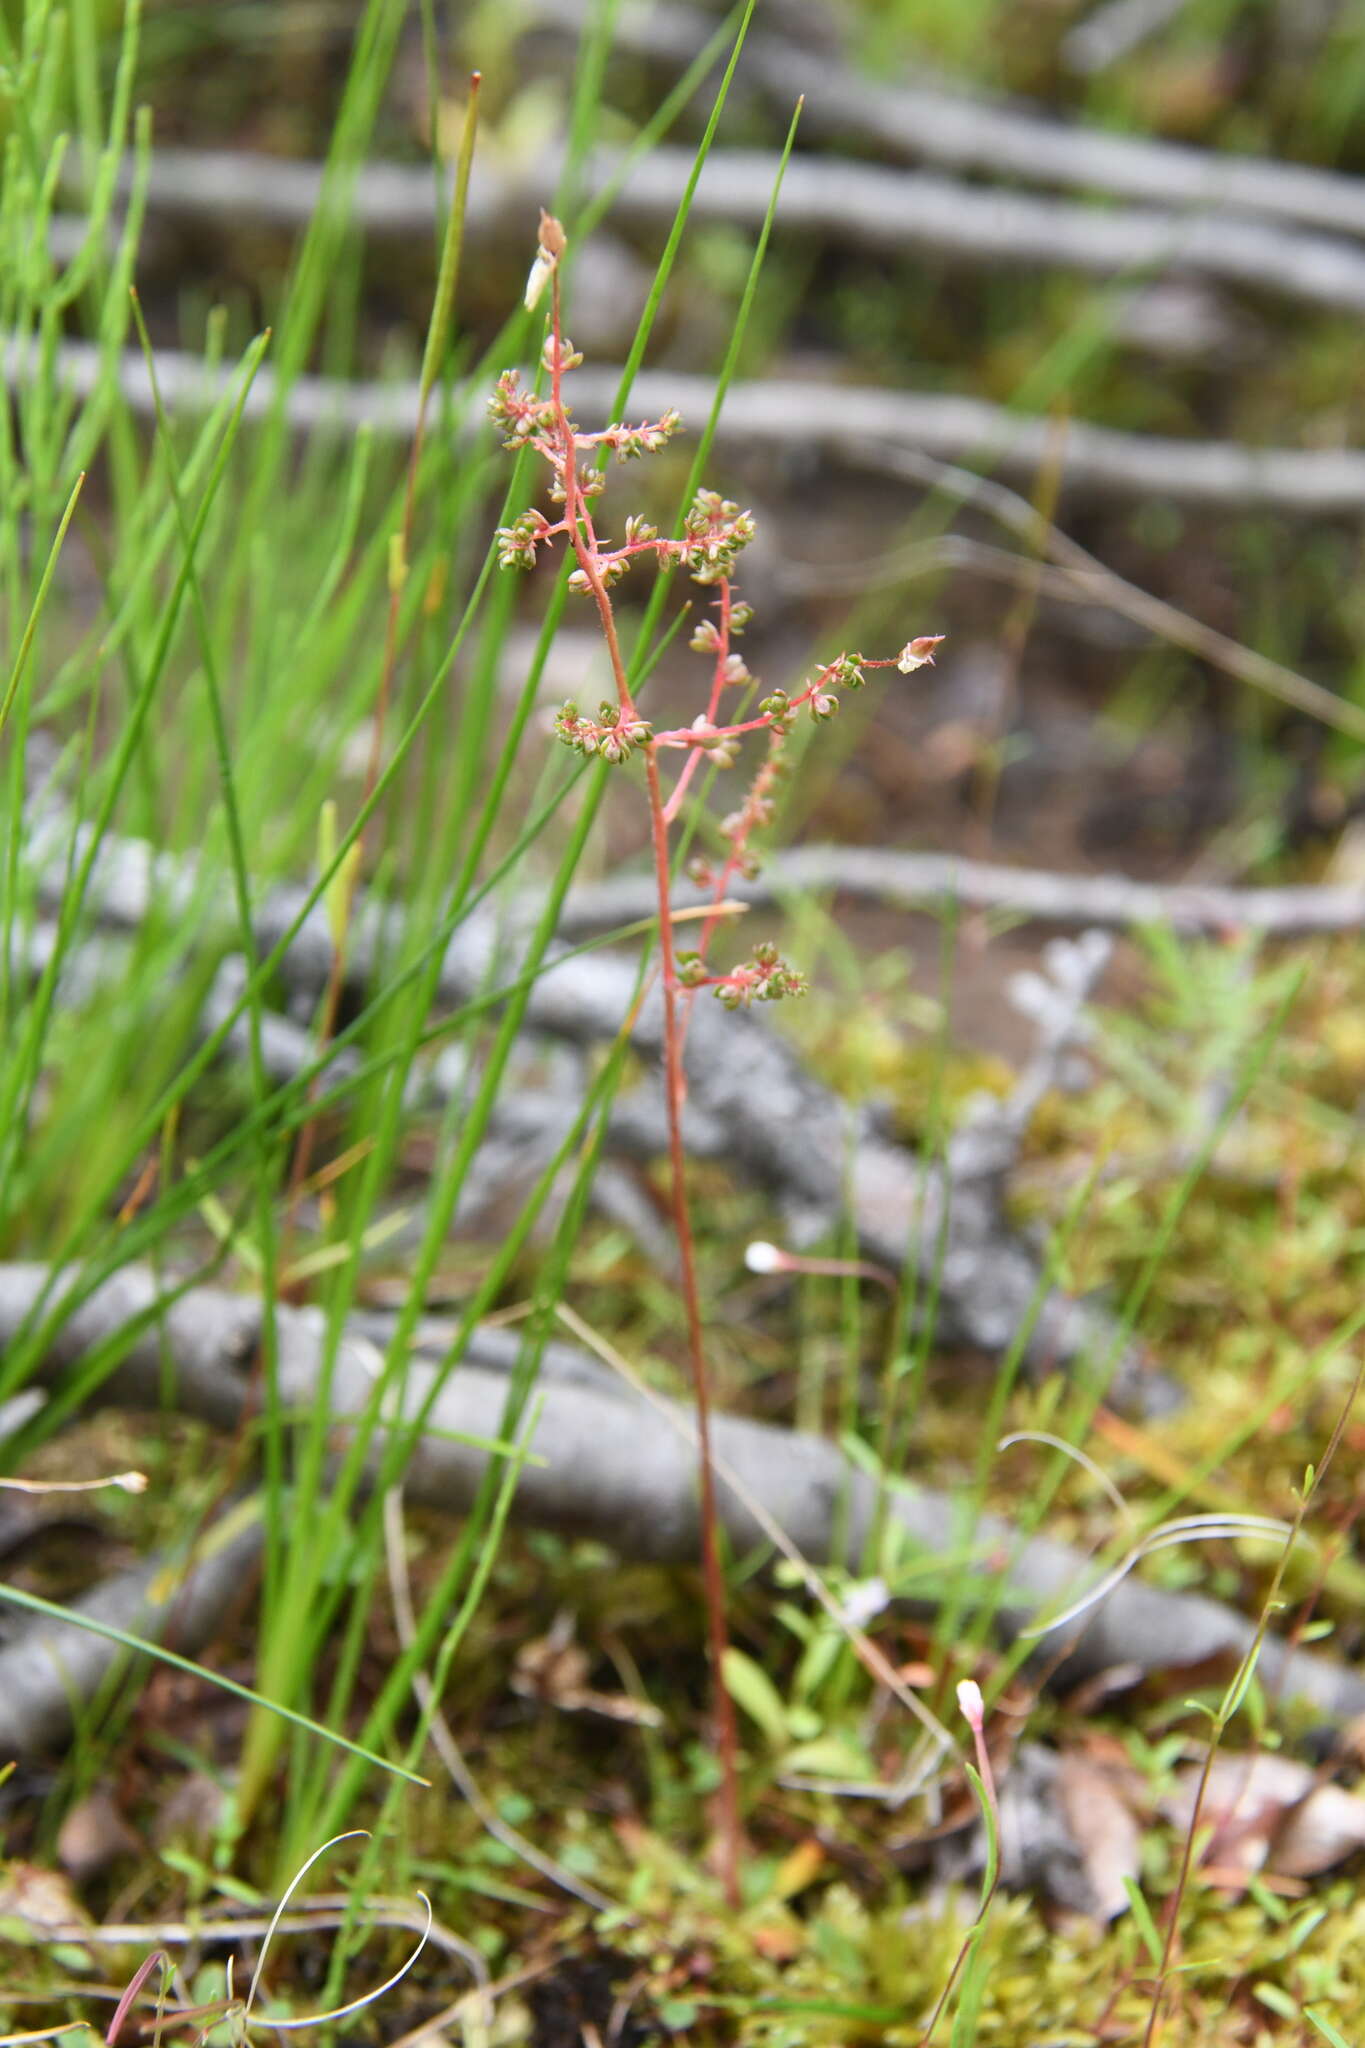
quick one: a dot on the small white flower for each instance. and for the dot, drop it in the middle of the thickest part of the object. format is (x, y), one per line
(763, 1258)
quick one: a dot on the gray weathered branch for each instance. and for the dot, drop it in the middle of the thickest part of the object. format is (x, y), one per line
(932, 123)
(782, 1125)
(866, 429)
(49, 1668)
(866, 206)
(940, 881)
(1112, 30)
(614, 1468)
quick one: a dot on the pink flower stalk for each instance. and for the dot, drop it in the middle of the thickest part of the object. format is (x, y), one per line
(764, 1258)
(973, 1711)
(715, 532)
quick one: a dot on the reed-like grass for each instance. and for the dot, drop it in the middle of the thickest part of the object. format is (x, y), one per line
(277, 661)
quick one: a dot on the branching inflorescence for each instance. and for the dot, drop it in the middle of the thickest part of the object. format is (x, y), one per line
(715, 532)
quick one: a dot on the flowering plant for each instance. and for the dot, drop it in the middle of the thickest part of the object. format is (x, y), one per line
(715, 533)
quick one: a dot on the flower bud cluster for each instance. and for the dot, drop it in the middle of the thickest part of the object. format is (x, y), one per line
(721, 747)
(521, 415)
(844, 673)
(756, 812)
(609, 736)
(610, 569)
(518, 542)
(629, 442)
(591, 483)
(559, 349)
(780, 712)
(710, 638)
(756, 816)
(715, 533)
(766, 978)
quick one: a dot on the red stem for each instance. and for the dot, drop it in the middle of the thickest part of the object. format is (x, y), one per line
(578, 523)
(712, 1574)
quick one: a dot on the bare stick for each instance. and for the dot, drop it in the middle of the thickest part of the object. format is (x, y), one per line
(1081, 578)
(132, 874)
(1113, 29)
(1013, 139)
(612, 1469)
(862, 428)
(938, 881)
(867, 206)
(780, 1124)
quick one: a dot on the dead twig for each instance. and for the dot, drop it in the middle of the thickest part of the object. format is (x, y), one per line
(863, 428)
(931, 123)
(782, 1125)
(867, 206)
(1072, 574)
(940, 881)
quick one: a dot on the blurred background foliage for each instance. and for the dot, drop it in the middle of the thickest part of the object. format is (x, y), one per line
(1133, 751)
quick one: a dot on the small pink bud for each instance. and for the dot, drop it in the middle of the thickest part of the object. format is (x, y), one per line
(552, 243)
(970, 1701)
(918, 653)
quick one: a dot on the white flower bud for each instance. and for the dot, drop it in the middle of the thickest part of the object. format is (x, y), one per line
(970, 1701)
(918, 653)
(763, 1258)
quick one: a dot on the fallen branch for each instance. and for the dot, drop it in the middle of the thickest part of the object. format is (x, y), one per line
(1113, 30)
(614, 1468)
(932, 123)
(863, 428)
(943, 881)
(887, 212)
(1075, 576)
(780, 1123)
(133, 876)
(49, 1668)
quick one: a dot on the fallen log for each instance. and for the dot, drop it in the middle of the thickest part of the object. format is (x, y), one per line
(886, 211)
(612, 1466)
(931, 122)
(909, 880)
(782, 1125)
(864, 428)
